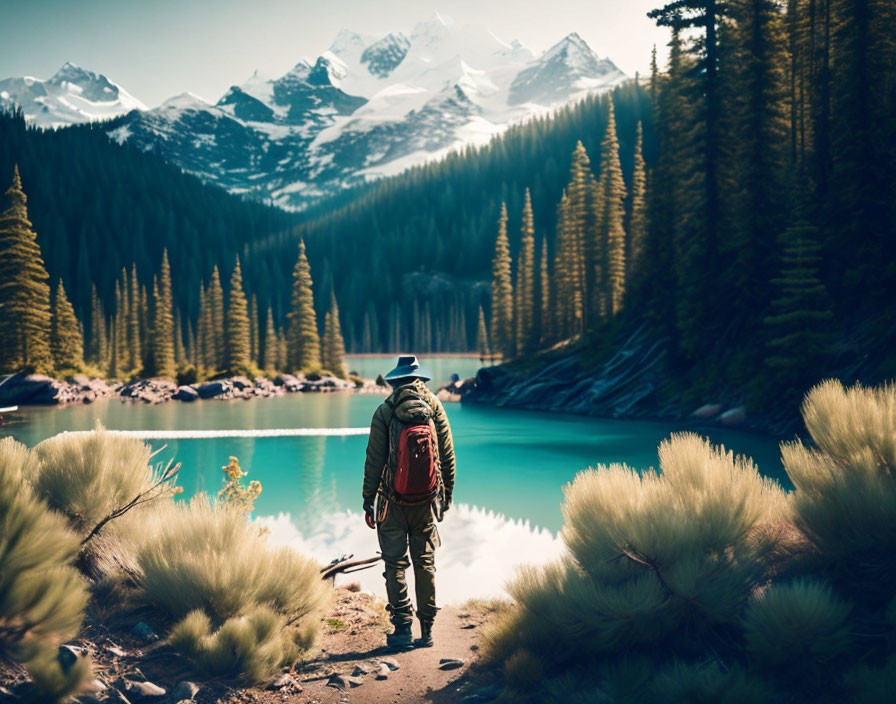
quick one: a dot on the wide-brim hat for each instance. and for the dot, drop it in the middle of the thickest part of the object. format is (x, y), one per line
(408, 367)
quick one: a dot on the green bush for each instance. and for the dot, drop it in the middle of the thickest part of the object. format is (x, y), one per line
(707, 683)
(845, 498)
(650, 554)
(206, 563)
(799, 625)
(706, 564)
(42, 597)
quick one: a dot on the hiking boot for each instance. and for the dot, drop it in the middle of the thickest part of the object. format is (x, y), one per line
(425, 639)
(400, 638)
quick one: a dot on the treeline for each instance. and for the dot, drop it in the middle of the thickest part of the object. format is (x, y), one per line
(409, 256)
(144, 334)
(99, 207)
(760, 242)
(598, 250)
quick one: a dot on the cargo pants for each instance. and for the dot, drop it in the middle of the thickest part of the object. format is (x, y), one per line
(414, 527)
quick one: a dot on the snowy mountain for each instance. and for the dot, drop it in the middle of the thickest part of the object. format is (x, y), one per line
(367, 107)
(71, 96)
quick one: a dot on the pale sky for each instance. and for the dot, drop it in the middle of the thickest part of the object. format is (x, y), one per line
(159, 48)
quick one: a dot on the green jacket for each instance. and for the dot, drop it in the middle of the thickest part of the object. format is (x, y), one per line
(378, 444)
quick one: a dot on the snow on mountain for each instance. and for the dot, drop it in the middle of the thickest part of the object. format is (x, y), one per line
(367, 107)
(72, 95)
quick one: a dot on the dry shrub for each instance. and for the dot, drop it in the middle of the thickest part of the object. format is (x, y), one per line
(253, 646)
(649, 554)
(207, 563)
(845, 498)
(799, 625)
(42, 597)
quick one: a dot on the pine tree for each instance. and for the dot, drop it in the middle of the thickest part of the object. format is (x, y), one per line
(98, 349)
(237, 346)
(253, 329)
(302, 338)
(113, 368)
(637, 221)
(66, 340)
(502, 292)
(180, 348)
(205, 339)
(269, 360)
(525, 282)
(120, 335)
(798, 327)
(24, 292)
(333, 352)
(545, 317)
(612, 211)
(482, 337)
(282, 351)
(584, 259)
(163, 337)
(135, 310)
(214, 297)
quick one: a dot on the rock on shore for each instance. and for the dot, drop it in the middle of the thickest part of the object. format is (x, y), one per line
(38, 389)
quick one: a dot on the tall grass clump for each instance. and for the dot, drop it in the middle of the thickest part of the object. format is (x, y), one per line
(92, 478)
(42, 597)
(705, 582)
(845, 498)
(244, 608)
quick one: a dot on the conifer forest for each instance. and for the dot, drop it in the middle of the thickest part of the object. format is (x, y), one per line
(740, 199)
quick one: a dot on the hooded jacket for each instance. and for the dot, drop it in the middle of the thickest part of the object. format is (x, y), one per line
(378, 444)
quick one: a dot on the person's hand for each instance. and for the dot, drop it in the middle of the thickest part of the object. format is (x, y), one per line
(368, 514)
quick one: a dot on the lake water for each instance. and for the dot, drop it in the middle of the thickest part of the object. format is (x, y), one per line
(512, 466)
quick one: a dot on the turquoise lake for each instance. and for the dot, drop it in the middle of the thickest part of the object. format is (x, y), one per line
(512, 466)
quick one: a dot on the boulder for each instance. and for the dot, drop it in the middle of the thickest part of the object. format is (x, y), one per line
(22, 389)
(143, 690)
(286, 380)
(241, 382)
(734, 416)
(213, 389)
(707, 411)
(185, 393)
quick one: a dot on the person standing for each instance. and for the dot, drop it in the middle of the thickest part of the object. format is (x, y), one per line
(408, 485)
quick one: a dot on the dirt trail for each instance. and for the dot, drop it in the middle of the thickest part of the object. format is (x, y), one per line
(357, 641)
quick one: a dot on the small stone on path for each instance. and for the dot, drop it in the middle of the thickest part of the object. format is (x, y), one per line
(185, 690)
(450, 663)
(391, 663)
(146, 690)
(384, 672)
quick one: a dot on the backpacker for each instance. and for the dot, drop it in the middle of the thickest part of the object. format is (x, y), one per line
(412, 474)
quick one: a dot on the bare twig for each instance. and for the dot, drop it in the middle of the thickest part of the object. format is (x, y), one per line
(348, 566)
(141, 498)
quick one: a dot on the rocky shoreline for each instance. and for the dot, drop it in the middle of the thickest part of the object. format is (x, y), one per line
(38, 389)
(631, 384)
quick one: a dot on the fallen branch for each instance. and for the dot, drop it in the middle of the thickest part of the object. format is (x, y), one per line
(345, 565)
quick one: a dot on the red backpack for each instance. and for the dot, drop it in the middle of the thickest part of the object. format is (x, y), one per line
(413, 466)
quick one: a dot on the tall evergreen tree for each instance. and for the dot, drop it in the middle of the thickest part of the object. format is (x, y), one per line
(205, 338)
(134, 333)
(302, 337)
(611, 230)
(214, 298)
(333, 349)
(98, 349)
(584, 261)
(799, 324)
(545, 318)
(525, 282)
(253, 329)
(24, 292)
(237, 345)
(637, 220)
(163, 337)
(66, 339)
(482, 345)
(180, 347)
(502, 292)
(268, 359)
